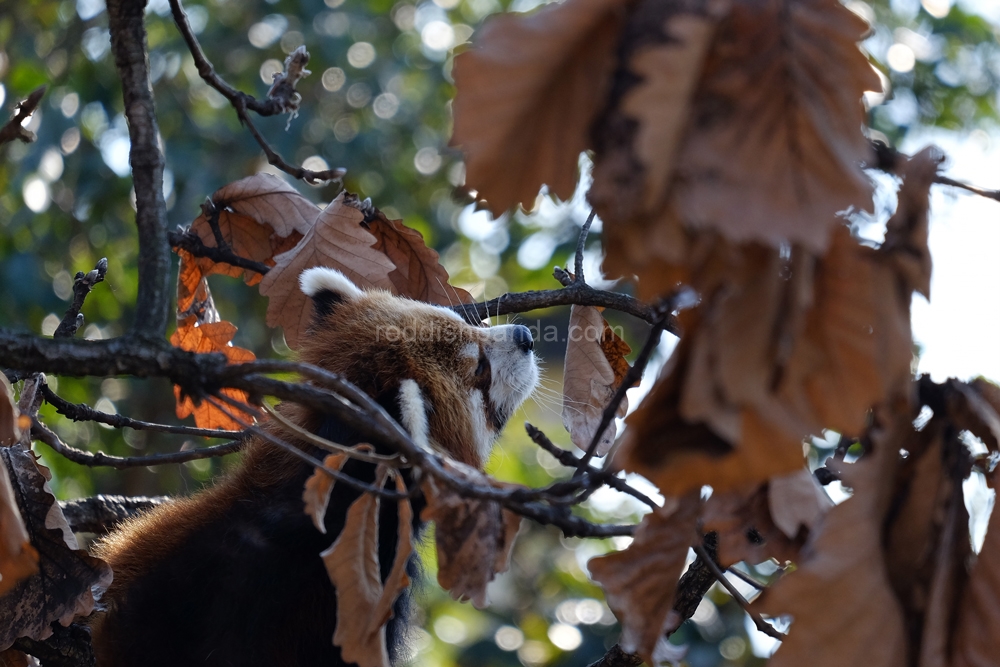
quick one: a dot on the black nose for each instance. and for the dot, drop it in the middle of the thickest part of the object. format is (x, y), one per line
(522, 338)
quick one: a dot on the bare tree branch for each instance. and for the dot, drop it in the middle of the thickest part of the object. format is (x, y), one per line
(80, 412)
(99, 459)
(128, 44)
(12, 129)
(759, 622)
(99, 514)
(281, 98)
(192, 243)
(82, 284)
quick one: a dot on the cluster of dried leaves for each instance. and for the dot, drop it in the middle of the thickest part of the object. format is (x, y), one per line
(727, 143)
(264, 220)
(45, 577)
(727, 140)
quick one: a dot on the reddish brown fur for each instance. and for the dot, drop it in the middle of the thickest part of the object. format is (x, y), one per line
(358, 347)
(355, 342)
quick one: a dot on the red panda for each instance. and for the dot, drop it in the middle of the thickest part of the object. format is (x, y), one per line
(232, 576)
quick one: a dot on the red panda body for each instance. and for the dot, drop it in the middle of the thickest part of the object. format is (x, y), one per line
(232, 576)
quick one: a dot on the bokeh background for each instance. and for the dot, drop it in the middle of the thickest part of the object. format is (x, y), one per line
(378, 103)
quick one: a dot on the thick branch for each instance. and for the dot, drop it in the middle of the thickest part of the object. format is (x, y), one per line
(12, 129)
(128, 43)
(100, 514)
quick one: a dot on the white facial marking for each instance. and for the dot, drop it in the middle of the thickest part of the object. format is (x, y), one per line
(484, 437)
(515, 371)
(470, 351)
(414, 412)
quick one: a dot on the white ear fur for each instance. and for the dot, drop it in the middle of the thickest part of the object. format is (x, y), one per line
(324, 279)
(413, 413)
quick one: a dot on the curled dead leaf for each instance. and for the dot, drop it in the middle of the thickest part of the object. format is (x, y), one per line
(640, 582)
(204, 338)
(840, 597)
(69, 580)
(319, 486)
(337, 240)
(364, 602)
(595, 367)
(18, 559)
(474, 537)
(978, 623)
(796, 501)
(10, 431)
(746, 530)
(527, 93)
(418, 273)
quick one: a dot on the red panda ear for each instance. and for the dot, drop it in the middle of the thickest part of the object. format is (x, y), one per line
(328, 288)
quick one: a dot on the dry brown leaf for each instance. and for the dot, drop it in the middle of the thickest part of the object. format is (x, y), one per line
(765, 146)
(337, 240)
(978, 626)
(745, 529)
(969, 409)
(474, 537)
(418, 273)
(268, 200)
(839, 597)
(782, 152)
(640, 582)
(527, 93)
(679, 453)
(857, 347)
(211, 337)
(661, 102)
(194, 299)
(10, 432)
(988, 391)
(364, 603)
(14, 658)
(796, 500)
(18, 559)
(68, 580)
(319, 486)
(907, 230)
(594, 368)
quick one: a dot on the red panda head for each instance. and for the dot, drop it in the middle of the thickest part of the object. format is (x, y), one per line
(455, 385)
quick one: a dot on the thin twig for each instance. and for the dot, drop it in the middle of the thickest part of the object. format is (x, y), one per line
(99, 459)
(82, 284)
(888, 158)
(192, 243)
(568, 459)
(740, 574)
(241, 407)
(759, 622)
(581, 243)
(81, 412)
(12, 129)
(280, 100)
(392, 461)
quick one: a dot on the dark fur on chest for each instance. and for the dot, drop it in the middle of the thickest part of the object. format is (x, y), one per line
(244, 585)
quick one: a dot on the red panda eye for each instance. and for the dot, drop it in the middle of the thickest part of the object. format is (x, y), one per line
(483, 366)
